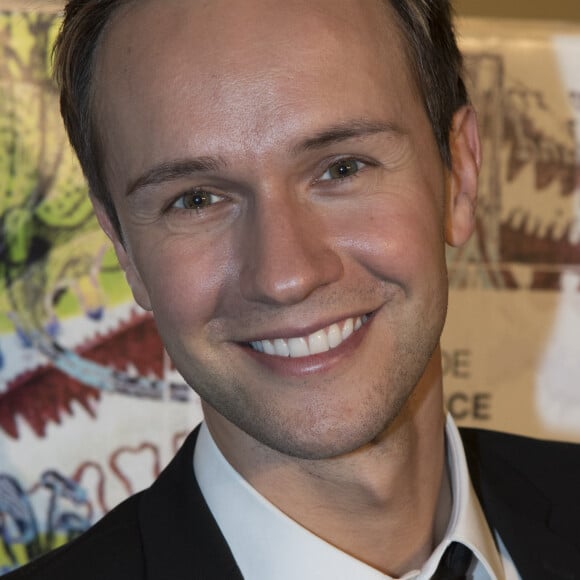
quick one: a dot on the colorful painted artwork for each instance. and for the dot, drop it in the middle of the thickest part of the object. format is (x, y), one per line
(77, 356)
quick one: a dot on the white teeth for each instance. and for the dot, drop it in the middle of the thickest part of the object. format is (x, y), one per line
(347, 329)
(281, 347)
(320, 341)
(268, 347)
(334, 336)
(298, 347)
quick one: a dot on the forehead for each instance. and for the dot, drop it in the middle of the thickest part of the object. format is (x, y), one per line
(247, 65)
(218, 26)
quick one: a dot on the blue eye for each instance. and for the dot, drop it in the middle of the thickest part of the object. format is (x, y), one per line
(342, 169)
(196, 199)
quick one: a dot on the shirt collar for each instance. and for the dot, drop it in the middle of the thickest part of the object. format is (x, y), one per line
(467, 523)
(268, 544)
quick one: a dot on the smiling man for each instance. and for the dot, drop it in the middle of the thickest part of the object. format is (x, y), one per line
(279, 180)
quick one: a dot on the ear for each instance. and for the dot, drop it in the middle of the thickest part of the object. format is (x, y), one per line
(123, 255)
(461, 200)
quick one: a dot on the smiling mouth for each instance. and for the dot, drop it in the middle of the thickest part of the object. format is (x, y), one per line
(318, 342)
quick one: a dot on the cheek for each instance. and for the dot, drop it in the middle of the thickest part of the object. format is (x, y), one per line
(401, 242)
(185, 282)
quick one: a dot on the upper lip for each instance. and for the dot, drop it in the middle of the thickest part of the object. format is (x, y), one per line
(288, 332)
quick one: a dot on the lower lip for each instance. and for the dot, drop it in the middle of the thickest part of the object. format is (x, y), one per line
(316, 363)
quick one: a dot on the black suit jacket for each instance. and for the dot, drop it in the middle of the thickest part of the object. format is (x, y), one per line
(529, 490)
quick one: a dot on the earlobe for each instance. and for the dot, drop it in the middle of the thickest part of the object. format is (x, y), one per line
(461, 203)
(125, 260)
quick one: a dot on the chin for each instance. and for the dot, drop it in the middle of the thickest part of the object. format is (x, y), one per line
(319, 432)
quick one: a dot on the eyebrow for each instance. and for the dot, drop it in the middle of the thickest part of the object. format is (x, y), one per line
(348, 130)
(184, 168)
(174, 170)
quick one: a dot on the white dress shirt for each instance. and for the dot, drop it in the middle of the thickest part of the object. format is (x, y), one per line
(268, 545)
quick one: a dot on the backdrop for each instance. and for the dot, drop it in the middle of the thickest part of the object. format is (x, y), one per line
(90, 406)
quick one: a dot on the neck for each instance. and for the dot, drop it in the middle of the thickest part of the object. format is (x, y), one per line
(387, 503)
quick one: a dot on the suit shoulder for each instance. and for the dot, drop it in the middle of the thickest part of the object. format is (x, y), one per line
(110, 549)
(511, 443)
(547, 463)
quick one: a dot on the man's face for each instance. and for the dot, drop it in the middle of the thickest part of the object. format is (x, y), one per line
(278, 186)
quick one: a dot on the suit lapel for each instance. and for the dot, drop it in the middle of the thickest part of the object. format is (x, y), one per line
(526, 520)
(181, 539)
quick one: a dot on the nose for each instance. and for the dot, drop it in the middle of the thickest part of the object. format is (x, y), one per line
(287, 253)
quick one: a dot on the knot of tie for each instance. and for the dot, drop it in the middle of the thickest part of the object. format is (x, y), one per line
(454, 564)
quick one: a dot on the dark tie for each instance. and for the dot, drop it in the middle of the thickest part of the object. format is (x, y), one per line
(454, 564)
